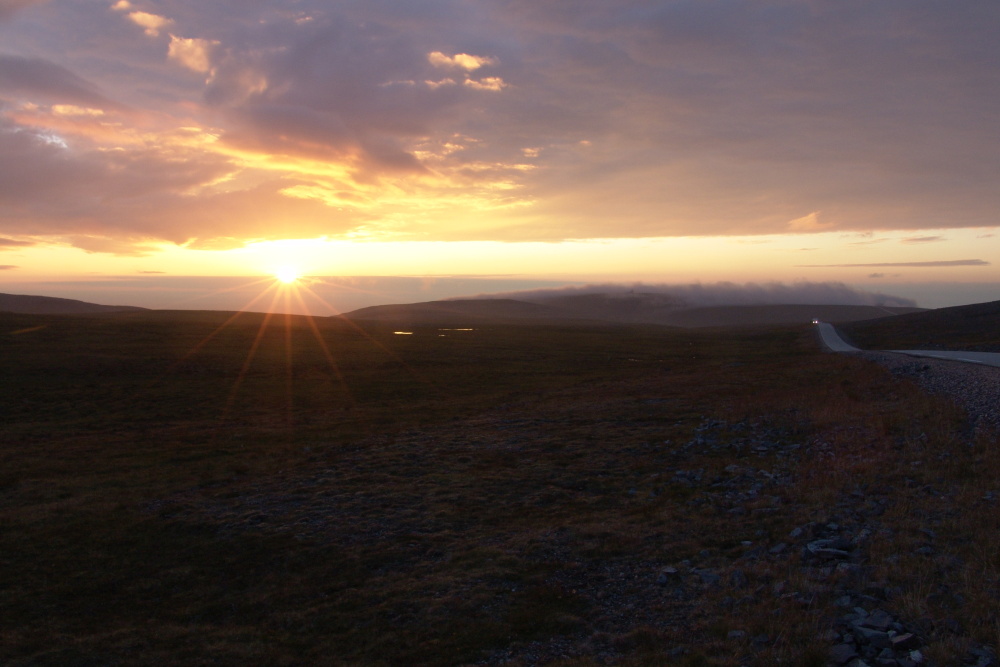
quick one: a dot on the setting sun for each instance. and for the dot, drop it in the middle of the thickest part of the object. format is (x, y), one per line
(287, 275)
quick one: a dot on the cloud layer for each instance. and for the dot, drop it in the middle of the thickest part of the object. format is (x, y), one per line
(725, 294)
(127, 123)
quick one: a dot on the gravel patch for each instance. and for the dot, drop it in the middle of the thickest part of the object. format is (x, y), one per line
(975, 388)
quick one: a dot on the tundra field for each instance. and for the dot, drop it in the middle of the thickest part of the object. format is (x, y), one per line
(201, 488)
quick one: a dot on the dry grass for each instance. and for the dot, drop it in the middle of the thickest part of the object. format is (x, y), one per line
(510, 495)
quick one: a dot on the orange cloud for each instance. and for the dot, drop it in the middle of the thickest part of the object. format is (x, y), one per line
(460, 60)
(152, 23)
(195, 54)
(491, 83)
(809, 223)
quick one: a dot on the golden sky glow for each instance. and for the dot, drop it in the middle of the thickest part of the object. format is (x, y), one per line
(664, 142)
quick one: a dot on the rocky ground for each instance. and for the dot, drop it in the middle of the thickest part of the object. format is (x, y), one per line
(777, 569)
(976, 388)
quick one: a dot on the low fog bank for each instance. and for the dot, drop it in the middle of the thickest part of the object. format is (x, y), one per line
(716, 294)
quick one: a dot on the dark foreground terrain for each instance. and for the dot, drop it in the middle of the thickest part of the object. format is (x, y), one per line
(278, 492)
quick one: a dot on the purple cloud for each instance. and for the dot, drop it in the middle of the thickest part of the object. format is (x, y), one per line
(35, 77)
(10, 7)
(503, 121)
(939, 263)
(916, 240)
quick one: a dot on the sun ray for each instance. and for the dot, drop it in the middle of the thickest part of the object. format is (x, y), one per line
(242, 311)
(334, 366)
(354, 325)
(251, 353)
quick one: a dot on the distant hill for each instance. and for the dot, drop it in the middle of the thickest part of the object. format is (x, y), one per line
(637, 309)
(728, 316)
(973, 327)
(473, 311)
(47, 305)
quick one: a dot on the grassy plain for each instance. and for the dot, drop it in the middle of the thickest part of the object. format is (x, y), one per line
(179, 489)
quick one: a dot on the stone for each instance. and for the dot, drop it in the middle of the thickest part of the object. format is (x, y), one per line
(825, 549)
(875, 638)
(709, 578)
(879, 620)
(737, 634)
(841, 654)
(886, 658)
(667, 575)
(848, 569)
(904, 641)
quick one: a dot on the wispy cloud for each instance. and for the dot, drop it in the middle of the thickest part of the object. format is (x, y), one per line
(916, 240)
(7, 267)
(939, 263)
(809, 223)
(11, 243)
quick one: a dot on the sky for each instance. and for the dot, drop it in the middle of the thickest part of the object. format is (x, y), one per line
(498, 144)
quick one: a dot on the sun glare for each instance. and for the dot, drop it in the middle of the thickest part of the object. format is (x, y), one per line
(287, 275)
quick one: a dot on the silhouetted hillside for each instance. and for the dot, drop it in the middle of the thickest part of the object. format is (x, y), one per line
(973, 327)
(47, 305)
(472, 311)
(633, 309)
(730, 316)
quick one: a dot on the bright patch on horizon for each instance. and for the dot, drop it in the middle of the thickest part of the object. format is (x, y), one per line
(287, 275)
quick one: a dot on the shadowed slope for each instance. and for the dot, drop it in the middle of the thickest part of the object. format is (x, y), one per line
(478, 311)
(974, 327)
(47, 305)
(636, 309)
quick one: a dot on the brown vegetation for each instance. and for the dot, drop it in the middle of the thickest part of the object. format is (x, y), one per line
(974, 327)
(627, 309)
(173, 490)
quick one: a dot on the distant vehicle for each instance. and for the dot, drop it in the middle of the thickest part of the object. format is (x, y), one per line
(815, 321)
